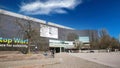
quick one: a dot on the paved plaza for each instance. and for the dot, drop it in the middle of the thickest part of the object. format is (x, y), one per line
(110, 59)
(61, 60)
(68, 61)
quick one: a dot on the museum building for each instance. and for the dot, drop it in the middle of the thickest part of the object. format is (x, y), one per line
(14, 28)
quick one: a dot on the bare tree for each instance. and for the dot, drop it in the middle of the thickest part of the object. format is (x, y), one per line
(27, 31)
(103, 32)
(106, 41)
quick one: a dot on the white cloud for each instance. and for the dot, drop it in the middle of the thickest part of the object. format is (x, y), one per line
(49, 6)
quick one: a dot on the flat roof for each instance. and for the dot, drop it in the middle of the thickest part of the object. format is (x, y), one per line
(57, 25)
(31, 18)
(21, 16)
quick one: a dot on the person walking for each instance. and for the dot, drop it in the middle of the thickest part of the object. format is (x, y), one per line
(53, 53)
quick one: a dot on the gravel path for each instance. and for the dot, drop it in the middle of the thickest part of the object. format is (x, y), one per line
(28, 63)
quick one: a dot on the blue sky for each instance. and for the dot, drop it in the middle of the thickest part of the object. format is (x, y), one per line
(78, 14)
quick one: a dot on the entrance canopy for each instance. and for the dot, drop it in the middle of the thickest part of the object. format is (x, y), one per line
(60, 43)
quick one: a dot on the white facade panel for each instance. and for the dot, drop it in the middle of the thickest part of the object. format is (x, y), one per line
(48, 31)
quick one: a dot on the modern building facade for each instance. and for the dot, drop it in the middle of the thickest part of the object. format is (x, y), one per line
(14, 25)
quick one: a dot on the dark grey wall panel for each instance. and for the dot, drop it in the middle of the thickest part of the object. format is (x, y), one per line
(9, 29)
